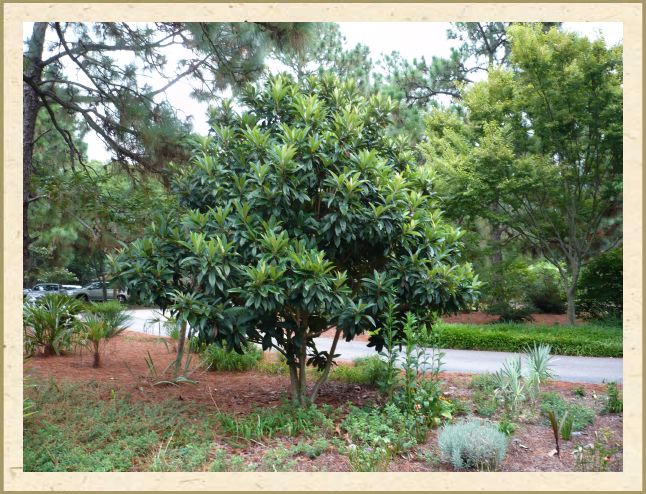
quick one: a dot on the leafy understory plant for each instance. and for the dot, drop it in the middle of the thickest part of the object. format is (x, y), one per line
(472, 445)
(48, 324)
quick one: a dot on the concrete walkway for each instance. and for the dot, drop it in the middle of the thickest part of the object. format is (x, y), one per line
(566, 368)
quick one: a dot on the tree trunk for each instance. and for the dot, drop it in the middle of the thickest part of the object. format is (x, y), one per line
(571, 290)
(180, 348)
(97, 356)
(31, 105)
(496, 261)
(328, 366)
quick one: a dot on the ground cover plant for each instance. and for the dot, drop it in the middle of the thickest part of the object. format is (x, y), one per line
(116, 418)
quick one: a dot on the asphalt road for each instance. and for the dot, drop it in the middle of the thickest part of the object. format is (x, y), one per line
(566, 368)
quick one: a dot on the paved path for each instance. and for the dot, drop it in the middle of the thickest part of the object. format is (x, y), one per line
(566, 368)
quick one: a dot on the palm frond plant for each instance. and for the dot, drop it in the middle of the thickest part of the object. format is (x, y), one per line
(48, 324)
(102, 322)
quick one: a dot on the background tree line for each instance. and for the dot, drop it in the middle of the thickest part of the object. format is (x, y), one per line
(521, 128)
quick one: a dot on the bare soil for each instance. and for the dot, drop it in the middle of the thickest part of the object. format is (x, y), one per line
(123, 366)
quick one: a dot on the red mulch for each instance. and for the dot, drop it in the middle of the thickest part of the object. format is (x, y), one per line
(484, 318)
(124, 367)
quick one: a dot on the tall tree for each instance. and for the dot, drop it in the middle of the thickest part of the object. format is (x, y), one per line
(95, 72)
(545, 145)
(326, 53)
(299, 216)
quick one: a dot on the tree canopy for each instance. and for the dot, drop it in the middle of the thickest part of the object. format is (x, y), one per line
(543, 141)
(297, 216)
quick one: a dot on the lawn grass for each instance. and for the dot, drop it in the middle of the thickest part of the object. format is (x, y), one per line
(591, 340)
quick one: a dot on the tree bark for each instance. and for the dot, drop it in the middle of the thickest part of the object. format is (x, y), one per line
(31, 105)
(180, 348)
(571, 289)
(496, 260)
(328, 366)
(97, 356)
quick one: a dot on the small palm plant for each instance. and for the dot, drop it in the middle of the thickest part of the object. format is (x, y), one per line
(49, 324)
(102, 322)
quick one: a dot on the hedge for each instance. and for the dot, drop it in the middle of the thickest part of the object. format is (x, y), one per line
(585, 340)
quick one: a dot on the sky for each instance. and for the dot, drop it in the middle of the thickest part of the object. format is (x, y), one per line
(410, 39)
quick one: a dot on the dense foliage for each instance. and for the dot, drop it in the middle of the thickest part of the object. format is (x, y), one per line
(298, 215)
(601, 286)
(540, 149)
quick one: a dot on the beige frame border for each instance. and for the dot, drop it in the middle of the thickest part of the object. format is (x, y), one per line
(628, 13)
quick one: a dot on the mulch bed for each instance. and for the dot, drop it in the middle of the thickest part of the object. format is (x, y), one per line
(124, 367)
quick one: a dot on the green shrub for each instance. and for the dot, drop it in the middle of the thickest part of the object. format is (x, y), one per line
(581, 416)
(366, 370)
(48, 324)
(614, 404)
(218, 358)
(600, 287)
(485, 404)
(543, 289)
(508, 312)
(472, 445)
(591, 340)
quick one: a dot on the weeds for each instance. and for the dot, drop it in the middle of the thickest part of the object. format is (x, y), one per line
(371, 371)
(553, 402)
(218, 358)
(286, 420)
(614, 404)
(598, 455)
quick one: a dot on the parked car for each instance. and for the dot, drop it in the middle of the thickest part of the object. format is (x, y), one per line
(41, 289)
(94, 292)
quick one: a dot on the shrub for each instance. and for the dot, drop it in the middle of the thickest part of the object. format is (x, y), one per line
(581, 416)
(49, 324)
(366, 370)
(218, 358)
(600, 287)
(420, 395)
(472, 445)
(614, 404)
(592, 340)
(507, 312)
(543, 289)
